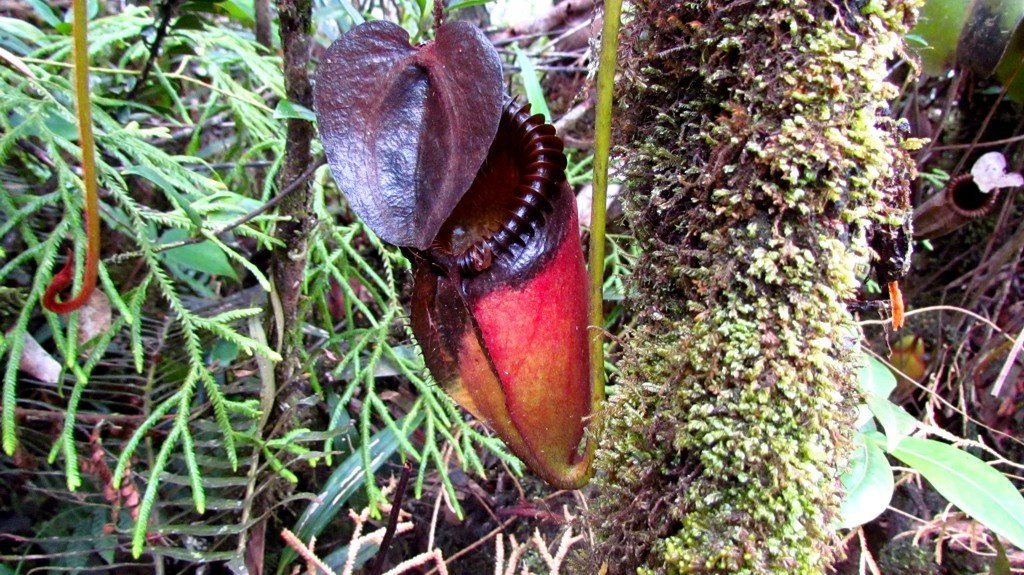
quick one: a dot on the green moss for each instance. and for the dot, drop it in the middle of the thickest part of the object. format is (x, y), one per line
(904, 557)
(758, 156)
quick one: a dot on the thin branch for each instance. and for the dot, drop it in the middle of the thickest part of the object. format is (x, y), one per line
(262, 28)
(396, 510)
(466, 550)
(294, 185)
(990, 144)
(1004, 373)
(116, 418)
(166, 11)
(306, 553)
(908, 314)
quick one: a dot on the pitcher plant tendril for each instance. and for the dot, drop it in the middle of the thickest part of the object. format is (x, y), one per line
(65, 278)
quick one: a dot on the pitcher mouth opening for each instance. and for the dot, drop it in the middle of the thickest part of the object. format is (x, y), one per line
(511, 198)
(967, 198)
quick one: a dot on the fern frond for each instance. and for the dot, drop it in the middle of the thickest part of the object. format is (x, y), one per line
(149, 497)
(195, 475)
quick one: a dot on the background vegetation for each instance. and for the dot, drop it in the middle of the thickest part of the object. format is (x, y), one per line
(157, 430)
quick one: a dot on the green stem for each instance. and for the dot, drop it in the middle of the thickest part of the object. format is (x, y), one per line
(602, 147)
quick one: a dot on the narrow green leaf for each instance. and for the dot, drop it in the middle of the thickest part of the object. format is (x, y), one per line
(45, 12)
(344, 482)
(204, 256)
(531, 83)
(128, 450)
(194, 473)
(181, 202)
(242, 260)
(21, 29)
(338, 558)
(868, 484)
(915, 41)
(149, 497)
(465, 4)
(279, 467)
(969, 483)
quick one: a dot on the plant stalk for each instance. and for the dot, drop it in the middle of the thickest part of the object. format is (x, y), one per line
(602, 149)
(63, 279)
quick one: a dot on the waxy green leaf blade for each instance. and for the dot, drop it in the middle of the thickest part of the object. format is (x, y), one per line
(969, 483)
(868, 484)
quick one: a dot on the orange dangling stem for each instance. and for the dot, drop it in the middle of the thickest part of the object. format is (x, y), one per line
(66, 276)
(896, 300)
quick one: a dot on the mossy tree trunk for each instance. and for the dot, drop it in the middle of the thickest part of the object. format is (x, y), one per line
(760, 155)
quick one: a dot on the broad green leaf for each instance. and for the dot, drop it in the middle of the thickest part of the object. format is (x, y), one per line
(865, 419)
(224, 352)
(1009, 70)
(241, 10)
(875, 378)
(969, 483)
(938, 29)
(286, 109)
(894, 419)
(170, 190)
(868, 484)
(531, 83)
(334, 11)
(204, 256)
(60, 126)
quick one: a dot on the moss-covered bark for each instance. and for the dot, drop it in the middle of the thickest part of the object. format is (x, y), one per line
(759, 155)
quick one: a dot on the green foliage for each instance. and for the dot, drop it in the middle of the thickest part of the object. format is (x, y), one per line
(34, 114)
(346, 480)
(372, 317)
(460, 4)
(982, 37)
(198, 148)
(937, 177)
(868, 483)
(531, 83)
(128, 149)
(969, 483)
(963, 479)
